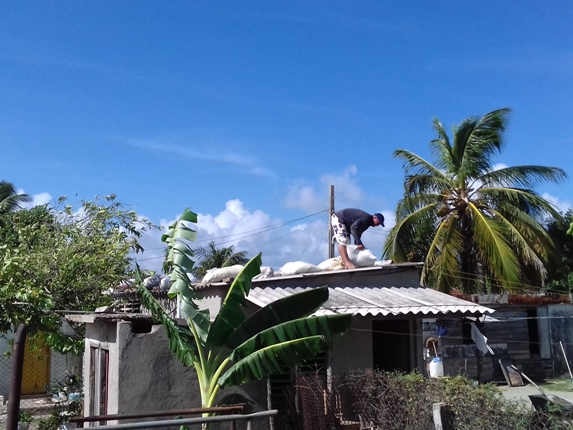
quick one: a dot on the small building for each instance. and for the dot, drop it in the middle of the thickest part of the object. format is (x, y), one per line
(532, 332)
(131, 369)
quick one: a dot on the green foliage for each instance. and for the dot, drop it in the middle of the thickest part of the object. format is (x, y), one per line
(61, 259)
(561, 269)
(237, 347)
(475, 227)
(396, 400)
(25, 417)
(211, 257)
(9, 199)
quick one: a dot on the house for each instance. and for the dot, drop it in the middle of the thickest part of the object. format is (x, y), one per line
(530, 331)
(131, 369)
(42, 366)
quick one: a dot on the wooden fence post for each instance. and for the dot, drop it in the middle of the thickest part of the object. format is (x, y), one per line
(443, 417)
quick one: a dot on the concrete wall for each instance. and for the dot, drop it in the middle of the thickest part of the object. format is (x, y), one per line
(560, 319)
(144, 376)
(353, 350)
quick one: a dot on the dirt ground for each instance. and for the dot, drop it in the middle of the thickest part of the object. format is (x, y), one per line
(562, 388)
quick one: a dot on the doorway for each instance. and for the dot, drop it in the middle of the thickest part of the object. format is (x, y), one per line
(391, 345)
(36, 370)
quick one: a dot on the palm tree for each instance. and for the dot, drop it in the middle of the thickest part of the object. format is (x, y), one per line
(212, 257)
(486, 224)
(9, 200)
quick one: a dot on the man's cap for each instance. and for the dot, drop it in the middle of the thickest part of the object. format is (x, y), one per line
(380, 218)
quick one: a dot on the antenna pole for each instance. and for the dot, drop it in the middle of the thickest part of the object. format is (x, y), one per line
(330, 232)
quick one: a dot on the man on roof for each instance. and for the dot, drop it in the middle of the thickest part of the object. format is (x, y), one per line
(347, 222)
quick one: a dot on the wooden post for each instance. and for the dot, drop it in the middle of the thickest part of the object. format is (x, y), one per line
(13, 407)
(479, 359)
(330, 232)
(443, 417)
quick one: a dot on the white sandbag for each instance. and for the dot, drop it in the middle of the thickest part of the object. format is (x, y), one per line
(360, 257)
(331, 264)
(266, 272)
(216, 275)
(151, 282)
(165, 283)
(298, 267)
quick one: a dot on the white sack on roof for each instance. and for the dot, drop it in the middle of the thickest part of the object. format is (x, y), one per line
(165, 283)
(216, 275)
(360, 257)
(331, 264)
(298, 267)
(266, 272)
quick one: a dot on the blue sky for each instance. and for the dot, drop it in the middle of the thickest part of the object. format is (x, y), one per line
(246, 112)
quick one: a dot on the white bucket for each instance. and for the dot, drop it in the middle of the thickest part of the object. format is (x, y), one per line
(436, 368)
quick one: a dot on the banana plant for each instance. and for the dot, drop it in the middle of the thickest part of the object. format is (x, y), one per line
(234, 348)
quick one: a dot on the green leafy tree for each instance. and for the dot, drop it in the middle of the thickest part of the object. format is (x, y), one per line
(561, 269)
(236, 348)
(486, 223)
(58, 259)
(9, 199)
(211, 257)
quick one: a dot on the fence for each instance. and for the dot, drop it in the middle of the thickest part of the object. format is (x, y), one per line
(50, 381)
(388, 400)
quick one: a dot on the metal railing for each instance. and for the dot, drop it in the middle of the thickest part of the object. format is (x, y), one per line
(191, 421)
(80, 421)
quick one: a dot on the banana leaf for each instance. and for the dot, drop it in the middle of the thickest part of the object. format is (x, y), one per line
(286, 309)
(274, 359)
(231, 314)
(326, 326)
(181, 341)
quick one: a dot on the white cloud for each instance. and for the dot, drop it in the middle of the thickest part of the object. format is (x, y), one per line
(209, 153)
(561, 205)
(255, 231)
(314, 198)
(37, 200)
(500, 166)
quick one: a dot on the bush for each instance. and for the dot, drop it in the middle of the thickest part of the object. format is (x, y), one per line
(393, 400)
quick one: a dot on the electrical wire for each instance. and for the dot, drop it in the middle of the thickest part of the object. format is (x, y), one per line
(245, 234)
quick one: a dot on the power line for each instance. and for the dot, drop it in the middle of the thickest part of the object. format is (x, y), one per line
(245, 234)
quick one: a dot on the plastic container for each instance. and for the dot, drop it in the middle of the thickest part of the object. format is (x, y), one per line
(436, 368)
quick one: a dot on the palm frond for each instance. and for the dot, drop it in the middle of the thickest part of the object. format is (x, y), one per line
(399, 240)
(491, 239)
(443, 256)
(523, 176)
(416, 164)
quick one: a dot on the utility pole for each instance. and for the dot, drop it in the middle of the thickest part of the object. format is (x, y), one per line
(330, 232)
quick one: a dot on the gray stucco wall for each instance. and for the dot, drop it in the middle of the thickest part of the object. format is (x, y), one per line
(561, 330)
(150, 379)
(144, 376)
(353, 350)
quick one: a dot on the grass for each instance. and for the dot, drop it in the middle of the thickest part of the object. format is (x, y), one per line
(563, 385)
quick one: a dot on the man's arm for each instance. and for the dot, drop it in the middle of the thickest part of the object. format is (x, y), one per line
(357, 228)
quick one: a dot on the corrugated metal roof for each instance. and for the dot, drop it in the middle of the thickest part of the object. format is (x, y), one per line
(375, 300)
